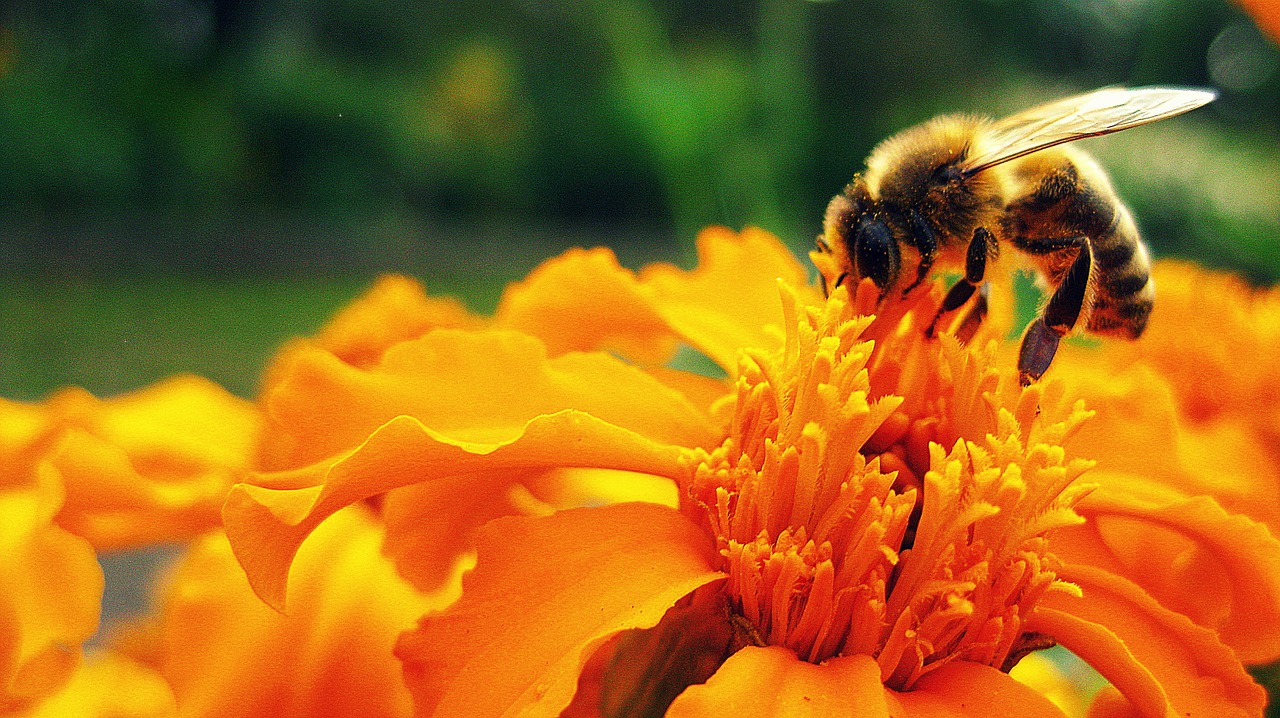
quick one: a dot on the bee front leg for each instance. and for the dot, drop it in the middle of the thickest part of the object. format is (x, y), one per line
(975, 268)
(1059, 317)
(926, 243)
(876, 254)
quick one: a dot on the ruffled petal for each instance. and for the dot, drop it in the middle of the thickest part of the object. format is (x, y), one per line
(584, 301)
(546, 591)
(640, 671)
(266, 525)
(110, 685)
(961, 688)
(50, 589)
(150, 466)
(425, 541)
(1220, 570)
(227, 655)
(772, 683)
(1069, 687)
(26, 432)
(1157, 658)
(1138, 431)
(731, 300)
(475, 386)
(430, 525)
(395, 309)
(1106, 652)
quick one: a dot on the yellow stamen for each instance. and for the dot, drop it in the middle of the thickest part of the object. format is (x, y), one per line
(817, 538)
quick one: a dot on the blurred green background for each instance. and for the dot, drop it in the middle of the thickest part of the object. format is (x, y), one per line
(185, 183)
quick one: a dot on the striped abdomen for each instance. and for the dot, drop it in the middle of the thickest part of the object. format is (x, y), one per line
(1063, 203)
(1123, 288)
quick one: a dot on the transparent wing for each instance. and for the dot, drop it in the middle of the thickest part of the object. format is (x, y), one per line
(1095, 113)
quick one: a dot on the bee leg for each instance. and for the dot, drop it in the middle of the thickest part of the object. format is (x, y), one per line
(876, 253)
(926, 242)
(1057, 320)
(975, 268)
(973, 319)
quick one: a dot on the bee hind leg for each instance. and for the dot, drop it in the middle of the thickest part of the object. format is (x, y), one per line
(973, 318)
(1059, 318)
(975, 268)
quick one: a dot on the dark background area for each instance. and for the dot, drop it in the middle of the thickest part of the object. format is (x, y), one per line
(185, 183)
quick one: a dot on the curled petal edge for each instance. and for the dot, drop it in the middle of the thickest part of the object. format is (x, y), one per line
(545, 593)
(1246, 548)
(1158, 659)
(266, 526)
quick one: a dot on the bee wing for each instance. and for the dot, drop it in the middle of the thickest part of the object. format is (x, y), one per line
(1095, 113)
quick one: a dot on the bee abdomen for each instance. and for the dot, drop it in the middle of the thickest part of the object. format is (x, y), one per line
(1123, 289)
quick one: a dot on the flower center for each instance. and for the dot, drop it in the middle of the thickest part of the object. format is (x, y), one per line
(813, 533)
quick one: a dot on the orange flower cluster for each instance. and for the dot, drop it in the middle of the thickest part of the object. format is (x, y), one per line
(843, 518)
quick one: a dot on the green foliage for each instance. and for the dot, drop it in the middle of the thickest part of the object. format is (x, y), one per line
(663, 115)
(188, 141)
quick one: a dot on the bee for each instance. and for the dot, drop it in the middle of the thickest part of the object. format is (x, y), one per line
(951, 191)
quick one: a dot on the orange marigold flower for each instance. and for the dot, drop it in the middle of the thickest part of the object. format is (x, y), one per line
(862, 517)
(1214, 344)
(214, 650)
(110, 684)
(149, 466)
(223, 653)
(50, 582)
(78, 473)
(1187, 446)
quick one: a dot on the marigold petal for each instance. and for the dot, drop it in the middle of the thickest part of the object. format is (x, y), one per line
(477, 386)
(565, 488)
(705, 392)
(431, 524)
(153, 465)
(584, 301)
(1106, 652)
(771, 682)
(1146, 650)
(545, 592)
(1070, 688)
(1135, 421)
(1138, 431)
(110, 684)
(266, 526)
(1266, 14)
(227, 655)
(1217, 340)
(50, 589)
(731, 300)
(961, 688)
(1219, 569)
(26, 430)
(396, 308)
(1110, 703)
